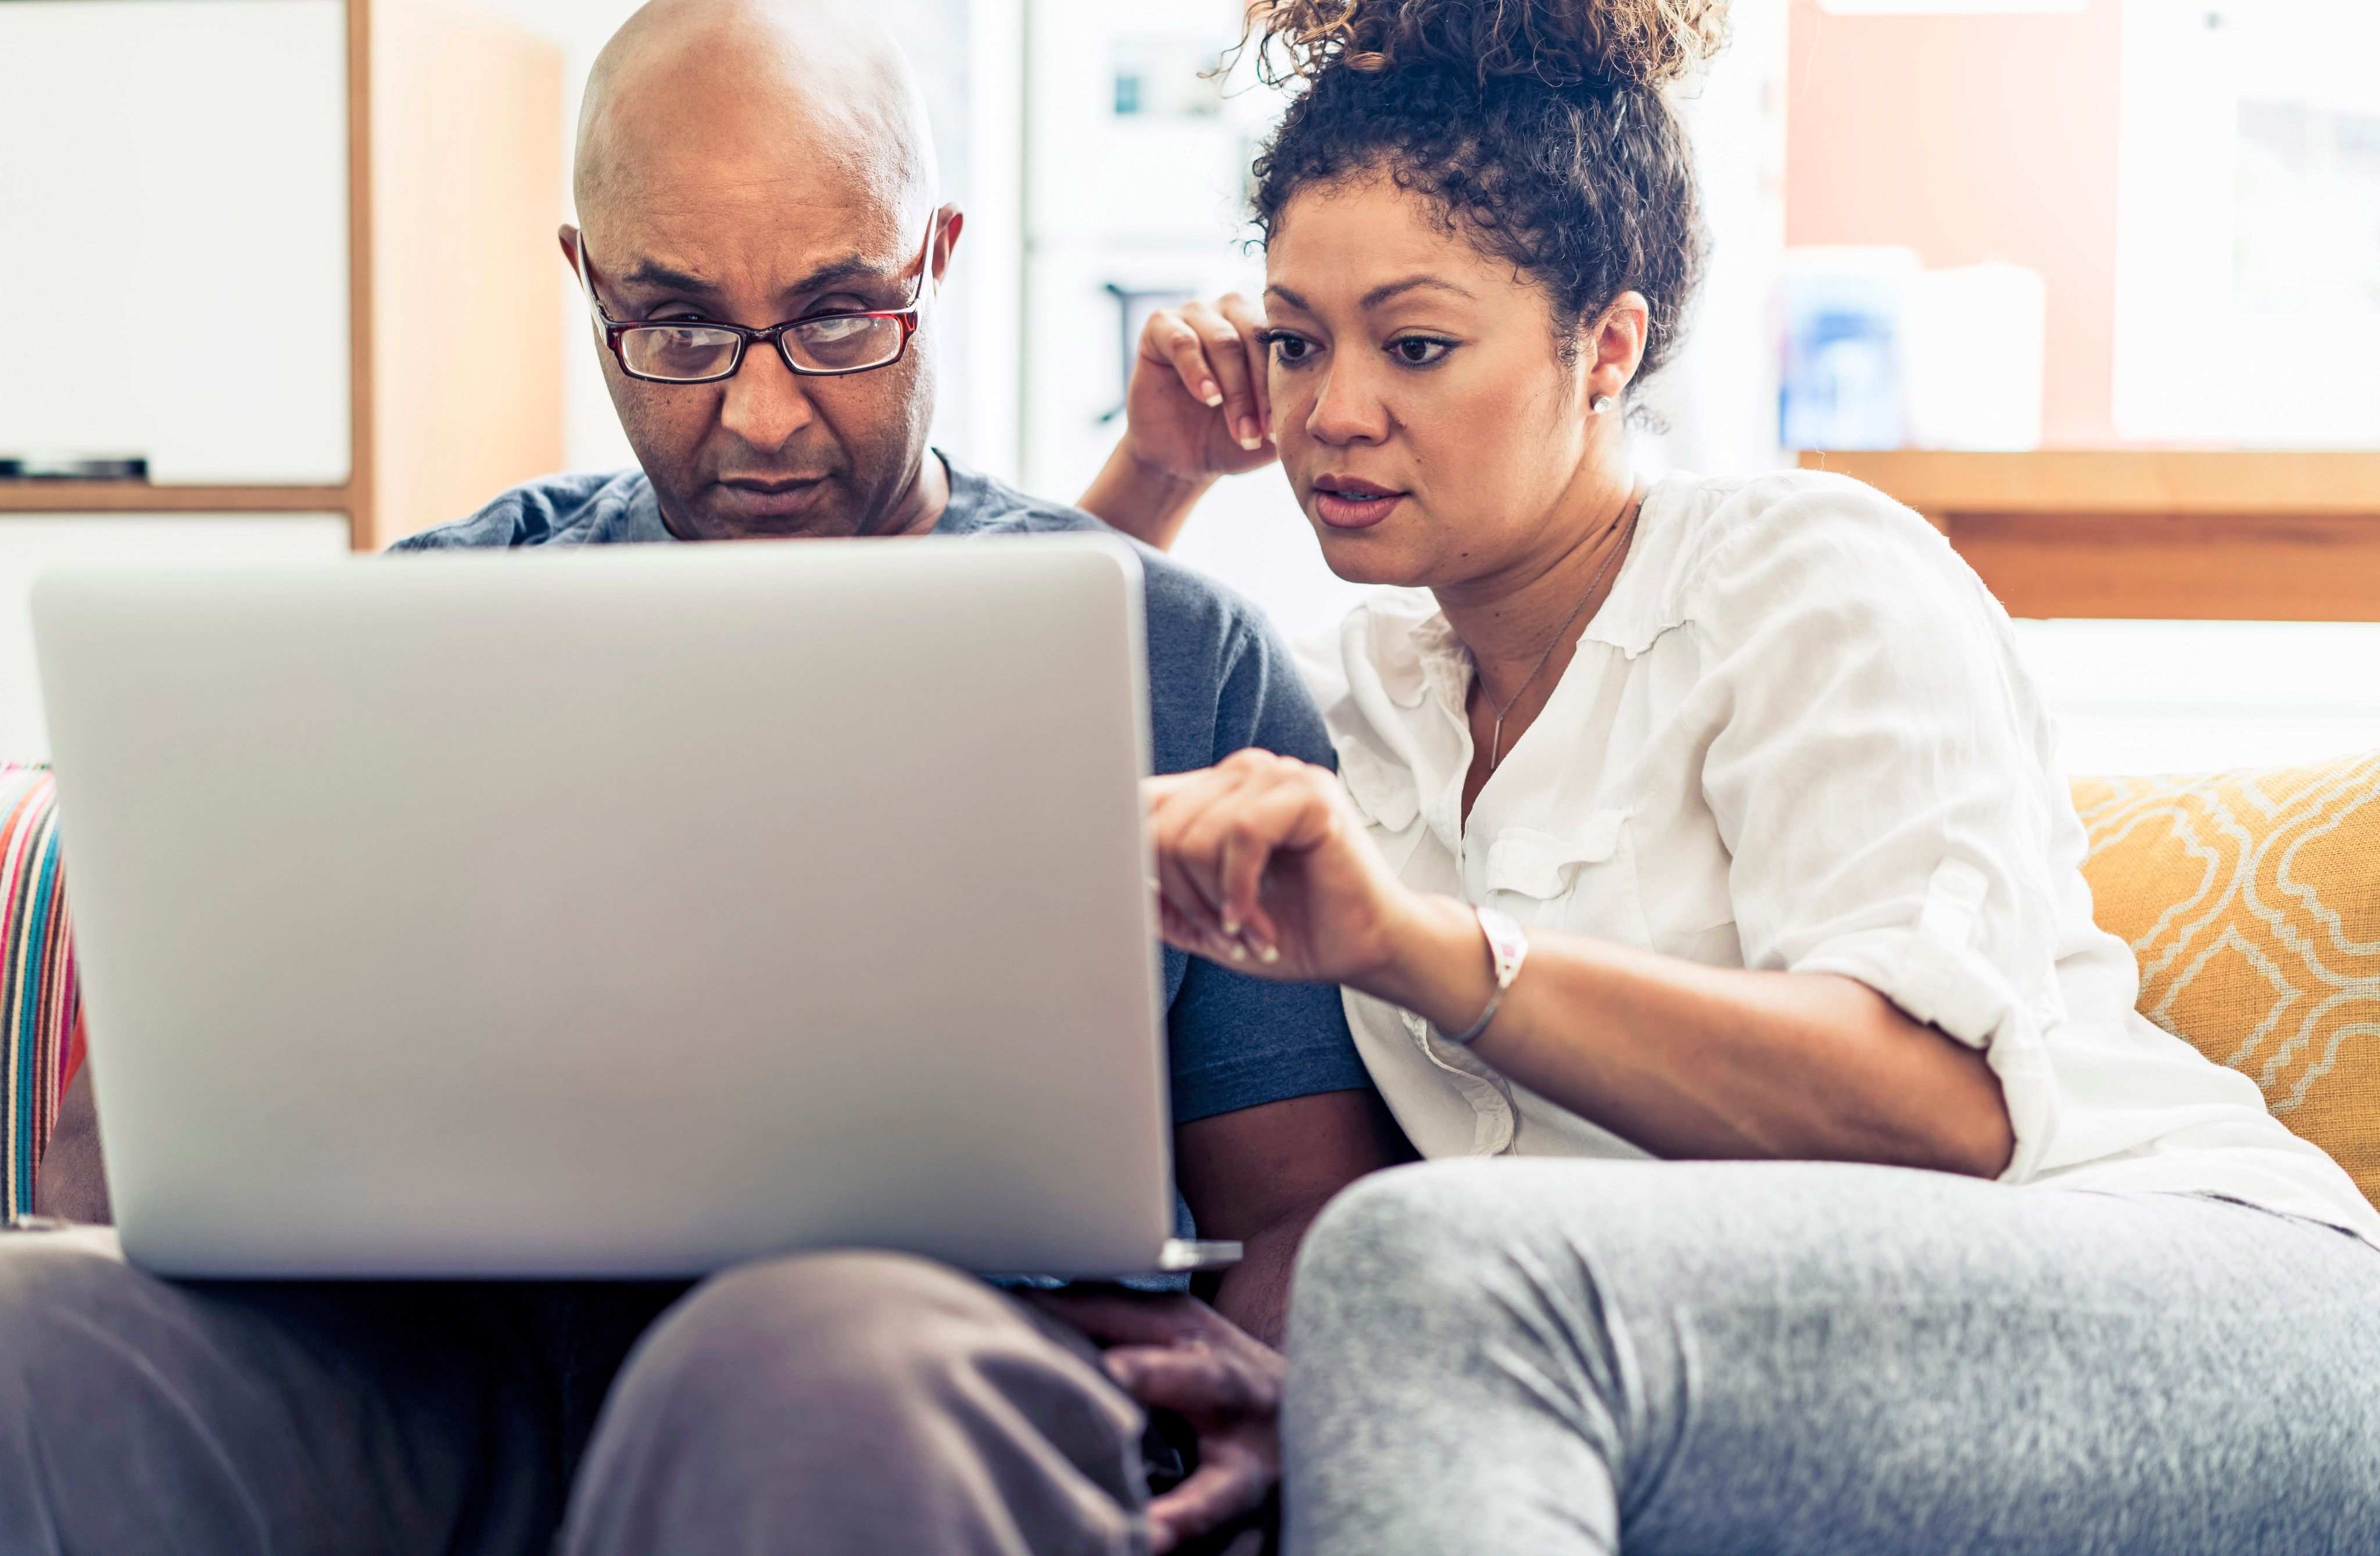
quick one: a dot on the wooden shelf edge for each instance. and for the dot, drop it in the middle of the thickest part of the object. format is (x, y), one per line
(2188, 567)
(2148, 483)
(108, 497)
(362, 506)
(76, 496)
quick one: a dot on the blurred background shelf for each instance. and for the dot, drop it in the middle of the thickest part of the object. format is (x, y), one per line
(2101, 223)
(2263, 535)
(2120, 480)
(133, 496)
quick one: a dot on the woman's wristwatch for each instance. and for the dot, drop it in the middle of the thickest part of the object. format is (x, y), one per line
(1508, 947)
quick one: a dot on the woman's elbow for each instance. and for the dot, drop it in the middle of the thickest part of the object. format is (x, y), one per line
(1985, 1146)
(1973, 1133)
(1932, 1101)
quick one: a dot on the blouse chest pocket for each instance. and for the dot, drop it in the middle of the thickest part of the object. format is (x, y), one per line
(1584, 880)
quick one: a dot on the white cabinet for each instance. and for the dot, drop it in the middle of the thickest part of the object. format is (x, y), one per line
(173, 236)
(297, 255)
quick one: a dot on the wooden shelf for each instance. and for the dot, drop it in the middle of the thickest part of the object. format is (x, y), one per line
(133, 496)
(2120, 480)
(2263, 535)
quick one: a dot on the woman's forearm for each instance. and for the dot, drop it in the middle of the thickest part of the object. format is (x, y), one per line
(1149, 506)
(1689, 1060)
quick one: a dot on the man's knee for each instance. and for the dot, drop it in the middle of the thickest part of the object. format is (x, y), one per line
(57, 1301)
(873, 1402)
(65, 1376)
(835, 1335)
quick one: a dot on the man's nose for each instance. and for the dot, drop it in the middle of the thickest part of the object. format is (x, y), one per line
(767, 402)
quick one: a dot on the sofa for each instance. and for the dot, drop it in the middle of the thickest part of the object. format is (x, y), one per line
(2252, 899)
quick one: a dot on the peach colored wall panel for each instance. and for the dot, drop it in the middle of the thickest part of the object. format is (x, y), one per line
(1970, 138)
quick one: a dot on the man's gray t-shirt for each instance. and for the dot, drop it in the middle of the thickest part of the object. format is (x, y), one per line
(1219, 680)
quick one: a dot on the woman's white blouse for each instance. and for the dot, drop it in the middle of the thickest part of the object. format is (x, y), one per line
(1797, 736)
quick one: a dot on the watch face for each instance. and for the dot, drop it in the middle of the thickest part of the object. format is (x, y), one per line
(1507, 943)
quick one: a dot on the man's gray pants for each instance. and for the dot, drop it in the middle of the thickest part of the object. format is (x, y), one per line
(826, 1404)
(1570, 1357)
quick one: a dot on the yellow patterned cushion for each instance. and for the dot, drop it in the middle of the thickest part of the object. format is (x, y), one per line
(2252, 901)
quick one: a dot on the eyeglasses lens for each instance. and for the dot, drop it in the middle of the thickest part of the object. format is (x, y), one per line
(678, 351)
(843, 343)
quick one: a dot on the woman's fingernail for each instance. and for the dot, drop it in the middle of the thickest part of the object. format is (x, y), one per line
(1231, 922)
(1212, 396)
(1239, 952)
(1250, 439)
(1268, 955)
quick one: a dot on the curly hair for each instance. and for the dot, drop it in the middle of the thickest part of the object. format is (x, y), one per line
(1543, 130)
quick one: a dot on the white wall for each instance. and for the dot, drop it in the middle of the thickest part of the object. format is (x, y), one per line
(2283, 250)
(2204, 696)
(1717, 397)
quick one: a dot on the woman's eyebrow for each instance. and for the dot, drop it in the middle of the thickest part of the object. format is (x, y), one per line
(1382, 294)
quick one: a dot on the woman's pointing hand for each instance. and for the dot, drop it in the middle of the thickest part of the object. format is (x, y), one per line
(1263, 865)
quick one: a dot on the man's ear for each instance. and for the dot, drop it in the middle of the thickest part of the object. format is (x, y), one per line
(567, 236)
(953, 222)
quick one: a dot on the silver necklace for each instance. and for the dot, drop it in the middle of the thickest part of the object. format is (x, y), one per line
(1496, 741)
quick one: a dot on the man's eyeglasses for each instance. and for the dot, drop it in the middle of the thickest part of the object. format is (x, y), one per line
(821, 345)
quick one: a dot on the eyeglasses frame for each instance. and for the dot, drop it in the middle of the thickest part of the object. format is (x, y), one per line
(908, 318)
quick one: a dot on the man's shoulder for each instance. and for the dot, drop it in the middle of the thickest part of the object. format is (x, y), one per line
(580, 508)
(1218, 676)
(1180, 599)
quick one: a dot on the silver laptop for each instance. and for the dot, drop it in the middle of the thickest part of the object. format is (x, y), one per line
(618, 912)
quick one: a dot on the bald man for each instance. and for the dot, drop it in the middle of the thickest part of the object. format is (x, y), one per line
(760, 248)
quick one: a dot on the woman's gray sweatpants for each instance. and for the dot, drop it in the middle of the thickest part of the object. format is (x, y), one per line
(1567, 1356)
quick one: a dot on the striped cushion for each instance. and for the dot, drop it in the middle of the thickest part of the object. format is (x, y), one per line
(40, 1034)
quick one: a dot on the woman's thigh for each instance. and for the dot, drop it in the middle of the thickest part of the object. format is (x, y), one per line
(1787, 1358)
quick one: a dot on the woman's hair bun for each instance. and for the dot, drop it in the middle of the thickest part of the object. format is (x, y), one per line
(1644, 43)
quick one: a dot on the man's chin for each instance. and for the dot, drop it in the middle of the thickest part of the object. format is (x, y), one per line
(803, 509)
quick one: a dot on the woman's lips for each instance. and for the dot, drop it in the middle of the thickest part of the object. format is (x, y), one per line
(1346, 504)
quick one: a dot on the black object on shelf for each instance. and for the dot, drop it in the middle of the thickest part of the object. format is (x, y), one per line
(43, 467)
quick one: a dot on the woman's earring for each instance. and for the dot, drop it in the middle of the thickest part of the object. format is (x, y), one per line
(1602, 405)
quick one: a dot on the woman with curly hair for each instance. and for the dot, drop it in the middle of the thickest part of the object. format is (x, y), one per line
(1709, 909)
